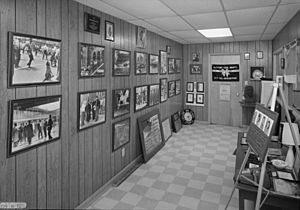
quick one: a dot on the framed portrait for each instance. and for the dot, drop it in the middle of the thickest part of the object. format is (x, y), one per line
(171, 65)
(154, 94)
(92, 23)
(190, 87)
(246, 56)
(171, 88)
(190, 97)
(178, 65)
(121, 62)
(153, 64)
(200, 87)
(33, 122)
(257, 72)
(168, 49)
(196, 68)
(140, 97)
(141, 63)
(259, 55)
(121, 102)
(200, 98)
(163, 62)
(33, 60)
(196, 57)
(141, 37)
(166, 127)
(109, 31)
(91, 60)
(121, 134)
(91, 108)
(177, 87)
(163, 83)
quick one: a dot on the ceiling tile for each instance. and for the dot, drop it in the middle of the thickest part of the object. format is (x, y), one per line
(285, 12)
(168, 35)
(267, 37)
(208, 20)
(188, 7)
(170, 23)
(289, 1)
(246, 30)
(244, 4)
(187, 34)
(223, 39)
(253, 16)
(247, 37)
(274, 28)
(142, 8)
(145, 25)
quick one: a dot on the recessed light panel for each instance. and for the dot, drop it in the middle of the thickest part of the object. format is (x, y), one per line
(216, 32)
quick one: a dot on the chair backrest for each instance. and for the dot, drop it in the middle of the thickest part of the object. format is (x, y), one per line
(297, 166)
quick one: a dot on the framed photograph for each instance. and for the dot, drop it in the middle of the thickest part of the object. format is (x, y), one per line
(196, 57)
(154, 94)
(91, 60)
(33, 122)
(166, 127)
(141, 63)
(163, 83)
(140, 97)
(200, 87)
(121, 102)
(121, 134)
(176, 121)
(163, 62)
(196, 68)
(153, 64)
(168, 49)
(257, 72)
(190, 87)
(109, 31)
(190, 97)
(92, 23)
(178, 66)
(141, 37)
(177, 87)
(200, 98)
(171, 65)
(171, 89)
(246, 56)
(259, 55)
(121, 62)
(33, 60)
(91, 108)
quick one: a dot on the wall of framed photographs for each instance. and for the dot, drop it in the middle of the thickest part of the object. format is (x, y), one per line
(63, 173)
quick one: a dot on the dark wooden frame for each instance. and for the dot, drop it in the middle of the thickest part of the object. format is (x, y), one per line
(107, 23)
(160, 89)
(149, 62)
(160, 64)
(135, 88)
(170, 61)
(135, 62)
(149, 92)
(113, 62)
(253, 68)
(176, 84)
(191, 68)
(169, 89)
(187, 87)
(96, 19)
(199, 102)
(114, 147)
(79, 106)
(36, 101)
(198, 89)
(114, 102)
(169, 127)
(187, 98)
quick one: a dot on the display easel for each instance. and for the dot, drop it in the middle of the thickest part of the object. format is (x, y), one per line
(276, 87)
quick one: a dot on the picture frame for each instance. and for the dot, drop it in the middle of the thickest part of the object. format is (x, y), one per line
(177, 87)
(163, 84)
(141, 97)
(171, 88)
(171, 66)
(91, 60)
(246, 56)
(141, 37)
(190, 98)
(121, 62)
(109, 31)
(200, 98)
(33, 122)
(190, 87)
(92, 23)
(121, 134)
(166, 128)
(200, 87)
(257, 72)
(121, 102)
(163, 62)
(259, 55)
(30, 61)
(91, 109)
(176, 121)
(168, 49)
(177, 66)
(153, 63)
(141, 63)
(196, 69)
(195, 57)
(154, 94)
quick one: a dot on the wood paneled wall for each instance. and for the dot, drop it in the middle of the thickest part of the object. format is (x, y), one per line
(64, 173)
(226, 48)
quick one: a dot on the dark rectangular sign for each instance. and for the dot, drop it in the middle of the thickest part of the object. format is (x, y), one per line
(225, 72)
(91, 23)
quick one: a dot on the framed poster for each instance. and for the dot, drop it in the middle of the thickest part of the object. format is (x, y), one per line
(196, 69)
(171, 65)
(200, 98)
(200, 87)
(150, 131)
(109, 31)
(190, 98)
(154, 94)
(190, 87)
(33, 122)
(166, 127)
(141, 63)
(177, 87)
(91, 109)
(163, 83)
(140, 97)
(171, 88)
(257, 72)
(121, 134)
(121, 62)
(163, 62)
(153, 64)
(141, 37)
(121, 102)
(91, 59)
(92, 23)
(178, 66)
(33, 60)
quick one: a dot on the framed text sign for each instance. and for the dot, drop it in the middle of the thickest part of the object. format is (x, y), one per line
(91, 23)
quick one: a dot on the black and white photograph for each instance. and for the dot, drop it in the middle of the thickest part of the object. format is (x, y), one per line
(109, 31)
(163, 83)
(121, 102)
(121, 62)
(196, 68)
(177, 66)
(177, 87)
(171, 87)
(196, 57)
(154, 94)
(257, 72)
(34, 121)
(141, 63)
(259, 55)
(91, 60)
(153, 64)
(171, 66)
(91, 108)
(246, 56)
(33, 60)
(141, 37)
(190, 98)
(200, 87)
(121, 133)
(190, 87)
(163, 62)
(140, 97)
(199, 98)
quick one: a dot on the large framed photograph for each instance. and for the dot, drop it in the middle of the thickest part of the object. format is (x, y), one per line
(33, 121)
(177, 87)
(121, 62)
(121, 134)
(141, 37)
(163, 62)
(121, 102)
(141, 63)
(140, 97)
(92, 23)
(154, 94)
(109, 31)
(196, 68)
(153, 64)
(177, 66)
(33, 60)
(91, 108)
(171, 89)
(91, 60)
(166, 127)
(171, 65)
(200, 87)
(163, 84)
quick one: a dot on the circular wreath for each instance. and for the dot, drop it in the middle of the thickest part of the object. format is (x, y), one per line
(187, 117)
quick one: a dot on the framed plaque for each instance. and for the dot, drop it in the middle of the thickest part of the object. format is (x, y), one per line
(92, 23)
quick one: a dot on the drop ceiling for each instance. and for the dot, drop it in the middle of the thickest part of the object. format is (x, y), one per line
(179, 20)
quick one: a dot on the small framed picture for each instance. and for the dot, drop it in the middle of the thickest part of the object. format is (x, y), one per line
(190, 98)
(154, 94)
(121, 62)
(259, 55)
(178, 66)
(163, 62)
(153, 64)
(168, 49)
(196, 57)
(141, 63)
(109, 31)
(163, 83)
(141, 37)
(140, 97)
(246, 56)
(190, 87)
(196, 68)
(121, 133)
(92, 23)
(199, 98)
(121, 102)
(200, 87)
(177, 87)
(282, 63)
(171, 85)
(171, 65)
(257, 72)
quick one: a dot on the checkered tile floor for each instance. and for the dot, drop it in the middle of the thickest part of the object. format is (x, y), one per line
(193, 170)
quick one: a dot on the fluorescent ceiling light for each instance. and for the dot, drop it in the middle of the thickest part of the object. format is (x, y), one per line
(217, 32)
